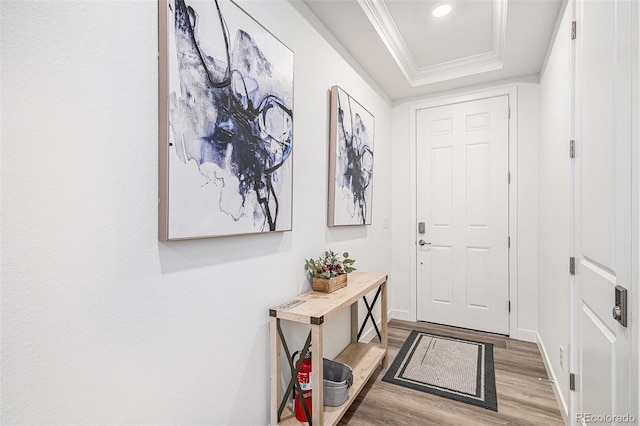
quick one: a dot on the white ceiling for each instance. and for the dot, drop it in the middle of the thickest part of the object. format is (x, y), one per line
(409, 53)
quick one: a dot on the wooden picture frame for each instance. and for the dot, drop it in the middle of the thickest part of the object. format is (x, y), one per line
(226, 123)
(350, 161)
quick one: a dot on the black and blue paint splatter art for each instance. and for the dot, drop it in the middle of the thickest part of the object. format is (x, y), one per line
(354, 162)
(231, 121)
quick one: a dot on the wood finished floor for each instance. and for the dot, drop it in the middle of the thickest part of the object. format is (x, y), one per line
(523, 399)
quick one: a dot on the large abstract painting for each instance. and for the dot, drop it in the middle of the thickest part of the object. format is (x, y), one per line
(226, 123)
(350, 161)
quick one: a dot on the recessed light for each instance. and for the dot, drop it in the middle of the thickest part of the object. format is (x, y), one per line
(440, 9)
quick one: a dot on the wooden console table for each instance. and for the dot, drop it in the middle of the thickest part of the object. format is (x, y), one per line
(314, 309)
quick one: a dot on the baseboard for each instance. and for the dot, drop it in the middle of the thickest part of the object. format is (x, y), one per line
(564, 407)
(402, 315)
(527, 335)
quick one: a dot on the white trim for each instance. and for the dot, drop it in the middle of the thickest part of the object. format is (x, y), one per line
(527, 335)
(513, 214)
(313, 20)
(385, 26)
(413, 202)
(402, 315)
(512, 92)
(382, 21)
(573, 353)
(635, 202)
(562, 403)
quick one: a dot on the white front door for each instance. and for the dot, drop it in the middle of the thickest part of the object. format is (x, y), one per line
(602, 211)
(463, 200)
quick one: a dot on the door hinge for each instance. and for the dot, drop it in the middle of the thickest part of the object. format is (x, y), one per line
(574, 30)
(509, 177)
(572, 148)
(509, 242)
(572, 381)
(509, 113)
(572, 265)
(509, 306)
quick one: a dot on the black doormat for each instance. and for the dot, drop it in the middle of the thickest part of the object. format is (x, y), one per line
(448, 367)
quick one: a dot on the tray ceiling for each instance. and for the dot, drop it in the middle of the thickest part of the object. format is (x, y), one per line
(408, 52)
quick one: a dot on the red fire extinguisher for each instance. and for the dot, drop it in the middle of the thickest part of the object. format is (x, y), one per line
(304, 377)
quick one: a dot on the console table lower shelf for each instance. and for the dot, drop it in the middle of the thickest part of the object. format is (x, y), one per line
(363, 358)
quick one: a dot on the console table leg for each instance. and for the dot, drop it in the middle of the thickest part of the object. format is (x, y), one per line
(354, 322)
(276, 390)
(317, 397)
(383, 316)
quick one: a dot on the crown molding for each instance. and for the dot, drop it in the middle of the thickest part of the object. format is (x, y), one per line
(380, 17)
(382, 21)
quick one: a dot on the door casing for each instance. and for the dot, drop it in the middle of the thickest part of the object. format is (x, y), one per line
(512, 92)
(471, 303)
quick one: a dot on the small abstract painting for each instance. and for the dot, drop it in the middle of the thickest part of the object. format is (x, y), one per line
(350, 161)
(226, 123)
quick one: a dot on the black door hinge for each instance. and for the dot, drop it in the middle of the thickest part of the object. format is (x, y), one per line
(572, 265)
(572, 381)
(572, 149)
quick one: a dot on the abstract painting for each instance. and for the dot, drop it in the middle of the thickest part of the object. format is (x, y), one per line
(350, 161)
(226, 123)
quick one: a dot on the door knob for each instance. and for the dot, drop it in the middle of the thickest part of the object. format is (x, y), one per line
(617, 313)
(423, 243)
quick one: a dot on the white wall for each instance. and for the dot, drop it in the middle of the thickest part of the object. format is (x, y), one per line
(527, 209)
(101, 323)
(402, 296)
(403, 293)
(554, 210)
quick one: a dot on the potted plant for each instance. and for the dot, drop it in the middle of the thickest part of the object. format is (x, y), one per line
(329, 272)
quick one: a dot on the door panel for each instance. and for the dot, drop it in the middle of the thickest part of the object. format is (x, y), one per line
(442, 274)
(442, 166)
(602, 206)
(597, 351)
(478, 277)
(462, 197)
(478, 185)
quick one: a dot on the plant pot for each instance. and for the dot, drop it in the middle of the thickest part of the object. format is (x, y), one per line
(328, 285)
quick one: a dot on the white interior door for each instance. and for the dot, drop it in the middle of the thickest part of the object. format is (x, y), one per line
(463, 199)
(602, 209)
